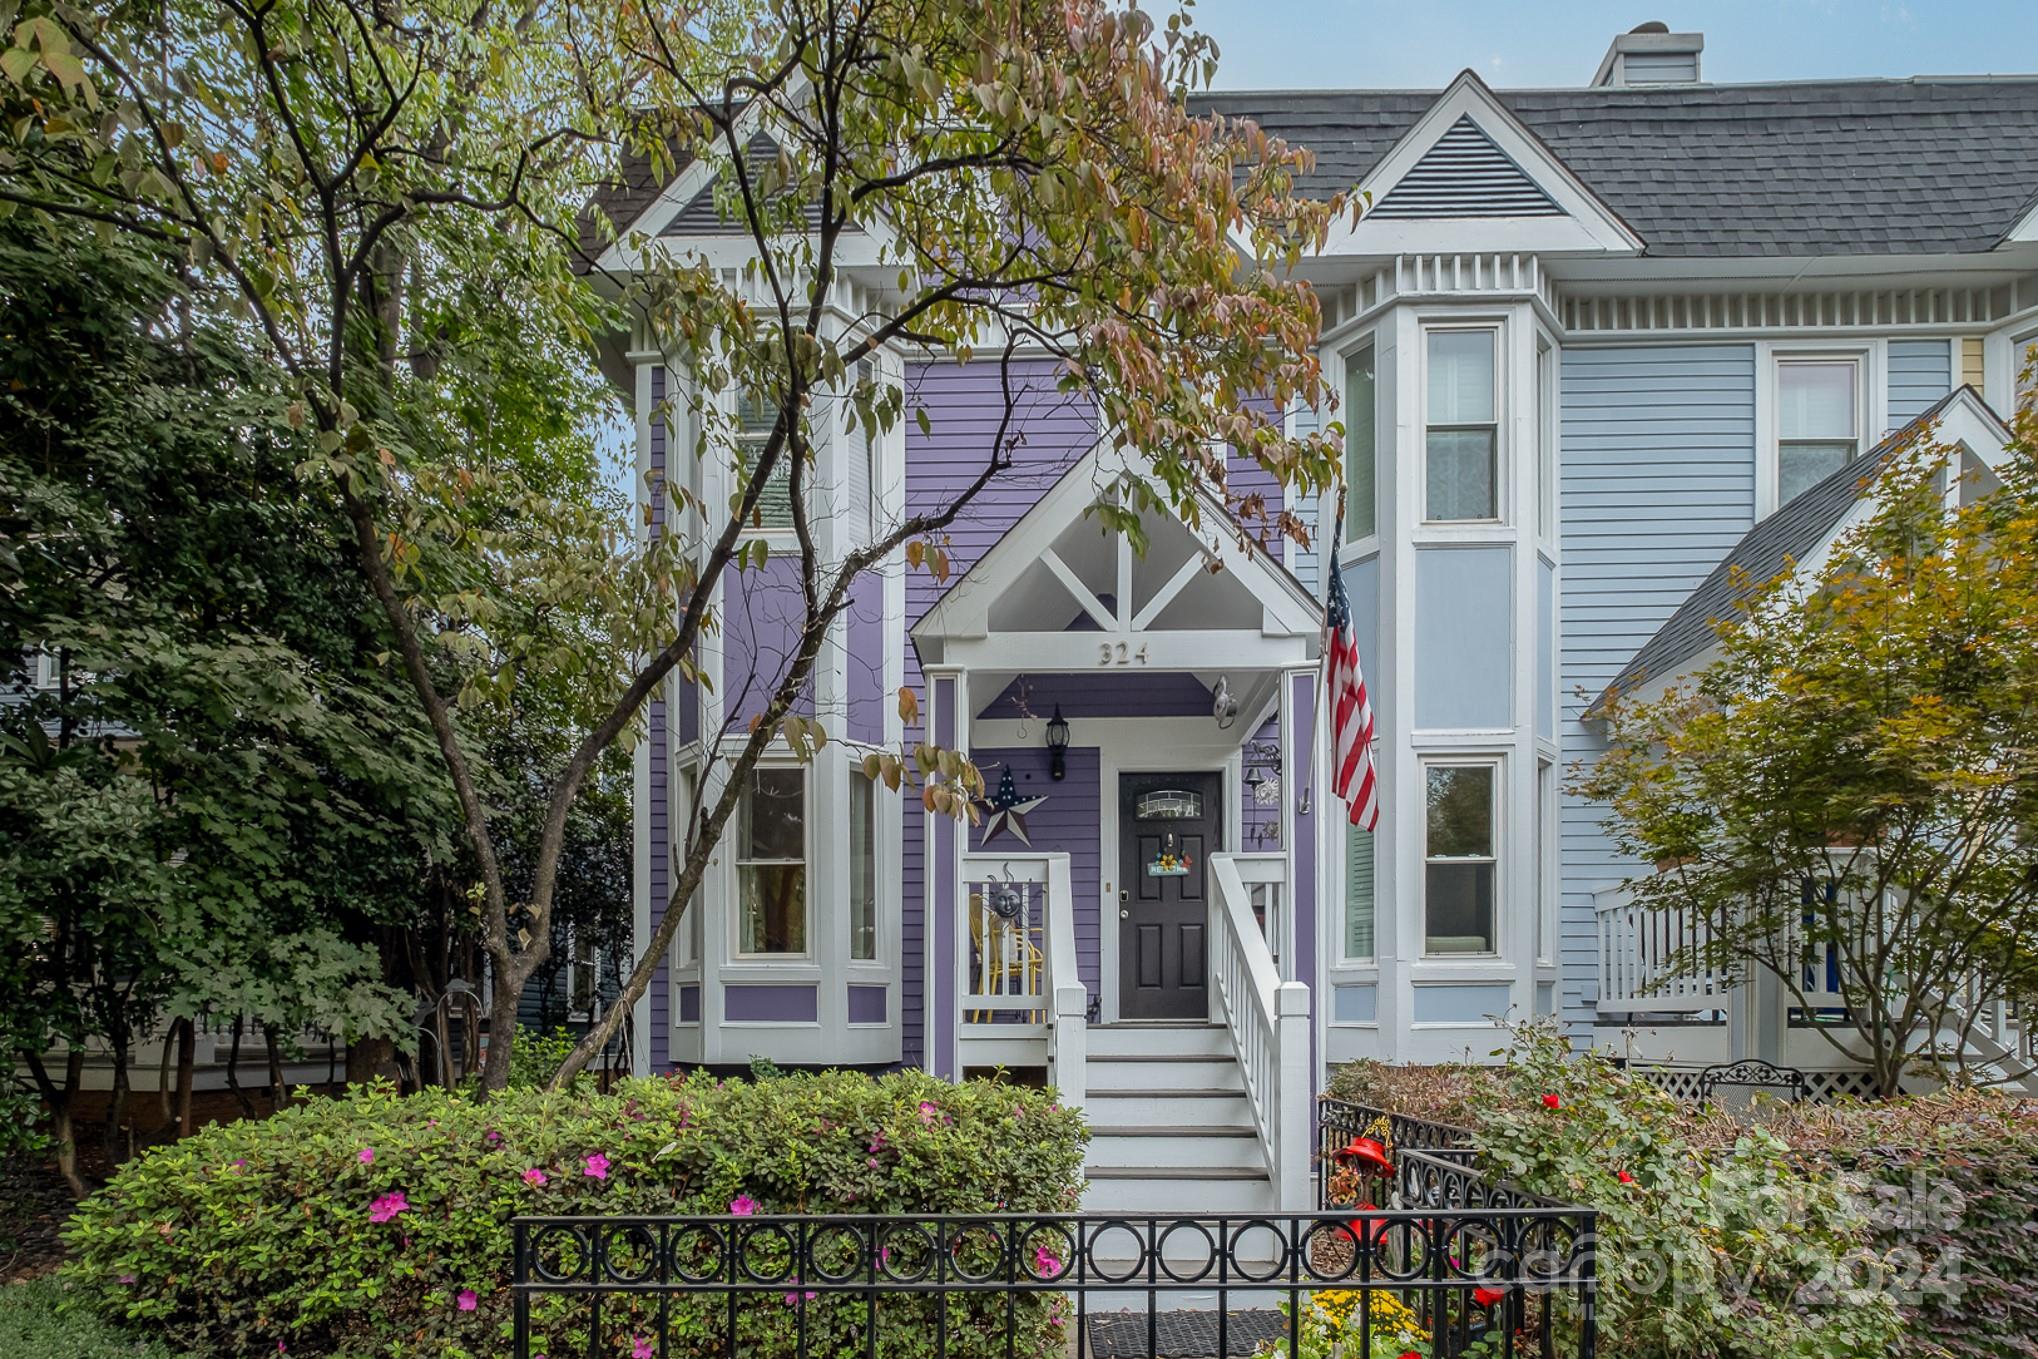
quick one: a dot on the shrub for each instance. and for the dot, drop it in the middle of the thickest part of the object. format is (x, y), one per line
(37, 1327)
(1736, 1254)
(356, 1226)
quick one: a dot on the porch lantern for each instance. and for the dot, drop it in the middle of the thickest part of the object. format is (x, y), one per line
(1367, 1151)
(1057, 745)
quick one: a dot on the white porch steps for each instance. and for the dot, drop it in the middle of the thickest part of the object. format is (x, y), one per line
(1171, 1131)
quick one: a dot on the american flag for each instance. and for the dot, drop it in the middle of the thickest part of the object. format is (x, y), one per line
(1353, 777)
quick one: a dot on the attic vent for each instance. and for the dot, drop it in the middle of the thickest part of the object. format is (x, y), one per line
(1466, 175)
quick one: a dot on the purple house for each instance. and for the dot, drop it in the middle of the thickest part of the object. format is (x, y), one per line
(1592, 344)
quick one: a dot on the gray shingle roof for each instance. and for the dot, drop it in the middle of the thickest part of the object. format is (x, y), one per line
(1789, 535)
(1923, 166)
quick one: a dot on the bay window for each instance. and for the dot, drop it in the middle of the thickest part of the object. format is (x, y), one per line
(862, 868)
(771, 864)
(1461, 435)
(1460, 861)
(1818, 421)
(754, 423)
(1362, 519)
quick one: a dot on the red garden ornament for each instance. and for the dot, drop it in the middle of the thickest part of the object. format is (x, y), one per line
(1367, 1151)
(1373, 1230)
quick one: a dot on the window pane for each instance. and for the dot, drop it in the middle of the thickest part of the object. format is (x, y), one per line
(1361, 512)
(753, 416)
(1815, 400)
(1460, 904)
(1799, 467)
(774, 815)
(775, 502)
(1358, 892)
(1460, 377)
(862, 870)
(1460, 811)
(773, 909)
(1461, 474)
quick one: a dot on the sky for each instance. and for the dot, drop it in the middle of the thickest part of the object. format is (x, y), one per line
(1421, 44)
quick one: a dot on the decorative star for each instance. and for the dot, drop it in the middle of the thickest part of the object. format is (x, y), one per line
(1006, 812)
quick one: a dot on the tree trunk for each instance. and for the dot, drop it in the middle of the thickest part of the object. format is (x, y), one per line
(187, 1057)
(62, 1101)
(116, 1102)
(277, 1093)
(504, 993)
(233, 1070)
(366, 1057)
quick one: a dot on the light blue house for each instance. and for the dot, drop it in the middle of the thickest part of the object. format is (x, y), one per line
(1592, 342)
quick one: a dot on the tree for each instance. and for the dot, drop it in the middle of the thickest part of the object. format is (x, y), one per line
(1018, 173)
(221, 796)
(1856, 774)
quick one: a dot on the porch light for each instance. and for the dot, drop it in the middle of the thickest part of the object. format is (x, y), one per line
(1057, 745)
(1367, 1151)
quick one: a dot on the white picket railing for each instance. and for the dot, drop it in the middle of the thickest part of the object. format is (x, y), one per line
(1645, 958)
(1268, 1019)
(1019, 963)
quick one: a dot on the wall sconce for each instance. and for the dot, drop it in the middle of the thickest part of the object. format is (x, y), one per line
(1057, 745)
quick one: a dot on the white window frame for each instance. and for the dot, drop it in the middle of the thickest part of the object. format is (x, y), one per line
(745, 440)
(873, 825)
(1351, 547)
(1497, 329)
(1549, 813)
(582, 1009)
(1545, 379)
(1496, 854)
(689, 938)
(738, 863)
(1871, 396)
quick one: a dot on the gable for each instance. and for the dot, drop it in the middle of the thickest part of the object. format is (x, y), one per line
(1464, 174)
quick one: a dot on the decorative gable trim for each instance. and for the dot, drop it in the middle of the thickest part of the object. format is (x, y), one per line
(1463, 174)
(1477, 180)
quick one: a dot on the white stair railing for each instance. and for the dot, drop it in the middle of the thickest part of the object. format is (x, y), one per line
(1268, 1019)
(1019, 958)
(1645, 958)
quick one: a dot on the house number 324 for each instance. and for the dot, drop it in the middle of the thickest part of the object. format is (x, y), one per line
(1119, 653)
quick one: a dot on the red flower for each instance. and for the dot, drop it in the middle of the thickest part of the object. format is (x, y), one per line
(1552, 1102)
(1486, 1297)
(1624, 1177)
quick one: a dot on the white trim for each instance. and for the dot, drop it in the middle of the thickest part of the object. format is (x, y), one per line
(1587, 226)
(1871, 393)
(1497, 956)
(791, 963)
(1502, 377)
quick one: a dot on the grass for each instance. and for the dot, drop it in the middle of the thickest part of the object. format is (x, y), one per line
(31, 1327)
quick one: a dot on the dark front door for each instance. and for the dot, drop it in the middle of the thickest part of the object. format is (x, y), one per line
(1168, 826)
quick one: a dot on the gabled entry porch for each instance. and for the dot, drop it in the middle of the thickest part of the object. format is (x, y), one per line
(1145, 723)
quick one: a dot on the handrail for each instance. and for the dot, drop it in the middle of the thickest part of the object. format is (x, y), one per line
(1646, 958)
(1019, 958)
(1068, 1015)
(1268, 1021)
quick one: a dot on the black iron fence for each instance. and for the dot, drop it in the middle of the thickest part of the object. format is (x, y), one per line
(1436, 1280)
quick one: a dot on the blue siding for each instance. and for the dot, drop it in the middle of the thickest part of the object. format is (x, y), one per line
(1464, 620)
(1307, 562)
(1658, 483)
(1920, 372)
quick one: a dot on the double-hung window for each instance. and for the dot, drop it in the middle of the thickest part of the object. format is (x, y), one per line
(583, 975)
(754, 423)
(1461, 436)
(862, 868)
(1362, 519)
(771, 864)
(1459, 859)
(1818, 421)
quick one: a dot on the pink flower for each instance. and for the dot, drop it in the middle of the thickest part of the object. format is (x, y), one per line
(127, 1278)
(534, 1177)
(640, 1348)
(282, 1348)
(366, 1156)
(387, 1207)
(597, 1167)
(1552, 1102)
(237, 1166)
(928, 1113)
(743, 1206)
(793, 1299)
(493, 1137)
(1045, 1262)
(466, 1301)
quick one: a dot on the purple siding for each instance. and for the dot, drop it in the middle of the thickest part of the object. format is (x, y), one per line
(867, 1004)
(771, 1004)
(964, 405)
(1300, 698)
(1245, 476)
(866, 660)
(762, 614)
(912, 930)
(1066, 823)
(1260, 826)
(1164, 695)
(659, 887)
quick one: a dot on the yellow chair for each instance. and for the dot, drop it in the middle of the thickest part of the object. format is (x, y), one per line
(1006, 962)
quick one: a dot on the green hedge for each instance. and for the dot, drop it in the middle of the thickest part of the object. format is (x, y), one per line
(254, 1233)
(1943, 1188)
(35, 1324)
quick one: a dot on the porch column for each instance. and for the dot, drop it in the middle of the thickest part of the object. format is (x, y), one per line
(946, 842)
(1302, 811)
